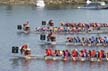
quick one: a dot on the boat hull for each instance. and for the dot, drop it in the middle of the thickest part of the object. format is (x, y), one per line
(61, 58)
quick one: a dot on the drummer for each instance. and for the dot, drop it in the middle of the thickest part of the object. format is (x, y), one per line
(25, 50)
(51, 37)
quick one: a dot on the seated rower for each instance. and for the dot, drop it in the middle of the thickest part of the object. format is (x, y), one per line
(49, 52)
(101, 54)
(93, 53)
(67, 53)
(81, 53)
(75, 53)
(69, 39)
(58, 53)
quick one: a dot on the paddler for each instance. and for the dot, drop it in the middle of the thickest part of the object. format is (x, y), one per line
(81, 53)
(69, 39)
(93, 53)
(49, 52)
(101, 54)
(75, 54)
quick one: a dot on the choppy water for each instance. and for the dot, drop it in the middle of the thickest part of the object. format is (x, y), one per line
(11, 16)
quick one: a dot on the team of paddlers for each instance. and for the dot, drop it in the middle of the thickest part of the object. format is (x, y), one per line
(76, 54)
(89, 40)
(67, 27)
(72, 27)
(83, 41)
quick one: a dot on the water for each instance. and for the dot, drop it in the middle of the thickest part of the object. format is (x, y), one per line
(11, 16)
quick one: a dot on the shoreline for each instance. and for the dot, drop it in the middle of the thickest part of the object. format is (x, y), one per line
(47, 2)
(58, 6)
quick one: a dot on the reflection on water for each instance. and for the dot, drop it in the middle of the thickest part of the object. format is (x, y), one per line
(49, 65)
(21, 63)
(15, 62)
(26, 65)
(63, 6)
(9, 7)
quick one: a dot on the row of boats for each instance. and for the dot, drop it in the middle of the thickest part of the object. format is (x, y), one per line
(75, 41)
(50, 31)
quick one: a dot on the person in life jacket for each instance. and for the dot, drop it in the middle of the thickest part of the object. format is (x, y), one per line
(93, 53)
(75, 53)
(81, 53)
(49, 52)
(101, 54)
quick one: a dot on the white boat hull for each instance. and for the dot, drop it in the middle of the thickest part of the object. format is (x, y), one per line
(50, 43)
(61, 58)
(69, 43)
